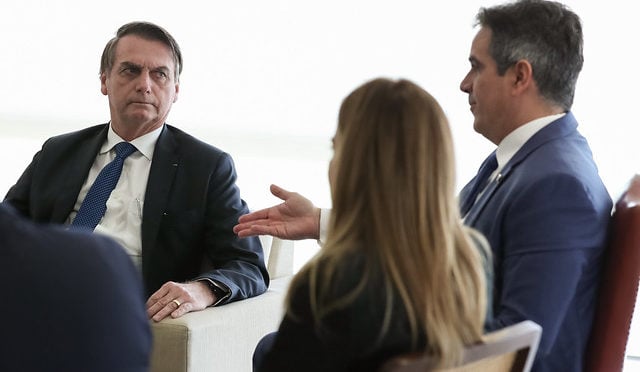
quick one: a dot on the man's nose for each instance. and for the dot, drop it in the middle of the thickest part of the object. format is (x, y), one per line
(143, 82)
(465, 84)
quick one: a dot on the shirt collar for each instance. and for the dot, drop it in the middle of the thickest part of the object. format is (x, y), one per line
(516, 139)
(145, 144)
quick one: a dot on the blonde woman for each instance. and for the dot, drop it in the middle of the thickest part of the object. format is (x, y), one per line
(398, 271)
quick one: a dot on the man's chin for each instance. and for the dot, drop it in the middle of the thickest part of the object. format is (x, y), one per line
(139, 122)
(477, 126)
(141, 116)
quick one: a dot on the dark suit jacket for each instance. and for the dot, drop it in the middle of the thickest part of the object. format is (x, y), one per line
(191, 205)
(71, 301)
(546, 220)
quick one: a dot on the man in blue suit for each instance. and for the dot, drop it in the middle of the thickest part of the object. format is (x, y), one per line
(541, 205)
(71, 301)
(538, 198)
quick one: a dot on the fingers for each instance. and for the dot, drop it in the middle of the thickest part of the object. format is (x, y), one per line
(254, 216)
(162, 308)
(279, 192)
(181, 310)
(267, 213)
(244, 230)
(245, 227)
(245, 222)
(263, 214)
(176, 299)
(167, 300)
(155, 297)
(264, 221)
(250, 229)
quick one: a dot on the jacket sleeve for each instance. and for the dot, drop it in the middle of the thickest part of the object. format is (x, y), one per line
(237, 263)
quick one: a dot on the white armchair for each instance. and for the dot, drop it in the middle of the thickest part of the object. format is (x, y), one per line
(223, 338)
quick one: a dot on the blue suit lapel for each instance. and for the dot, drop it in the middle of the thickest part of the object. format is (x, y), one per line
(485, 197)
(564, 126)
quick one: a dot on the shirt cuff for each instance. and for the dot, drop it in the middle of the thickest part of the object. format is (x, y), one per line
(325, 215)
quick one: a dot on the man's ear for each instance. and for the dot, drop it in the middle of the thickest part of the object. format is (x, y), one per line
(175, 96)
(523, 75)
(103, 83)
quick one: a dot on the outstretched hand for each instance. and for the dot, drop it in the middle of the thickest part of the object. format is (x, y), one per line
(295, 219)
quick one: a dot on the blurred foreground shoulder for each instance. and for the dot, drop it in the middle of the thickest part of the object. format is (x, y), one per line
(75, 301)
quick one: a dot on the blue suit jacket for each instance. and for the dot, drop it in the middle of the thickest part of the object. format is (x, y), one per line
(546, 218)
(72, 301)
(191, 205)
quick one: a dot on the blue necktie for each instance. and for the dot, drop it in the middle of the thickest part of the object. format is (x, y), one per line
(95, 203)
(480, 182)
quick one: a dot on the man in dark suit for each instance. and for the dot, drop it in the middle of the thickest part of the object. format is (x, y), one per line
(72, 301)
(175, 203)
(541, 204)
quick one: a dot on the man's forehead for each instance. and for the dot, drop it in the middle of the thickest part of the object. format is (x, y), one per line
(141, 52)
(480, 43)
(482, 38)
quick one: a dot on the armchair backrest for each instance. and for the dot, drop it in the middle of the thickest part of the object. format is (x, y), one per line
(618, 286)
(511, 349)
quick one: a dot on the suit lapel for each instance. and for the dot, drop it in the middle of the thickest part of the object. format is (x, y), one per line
(559, 128)
(486, 195)
(164, 166)
(76, 174)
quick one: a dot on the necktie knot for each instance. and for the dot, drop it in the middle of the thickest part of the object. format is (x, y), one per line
(124, 149)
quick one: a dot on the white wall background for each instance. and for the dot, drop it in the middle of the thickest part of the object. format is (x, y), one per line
(264, 79)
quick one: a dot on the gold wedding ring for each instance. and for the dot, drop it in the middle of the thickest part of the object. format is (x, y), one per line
(176, 302)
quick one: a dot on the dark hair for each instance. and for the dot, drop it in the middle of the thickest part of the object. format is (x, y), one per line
(145, 30)
(545, 33)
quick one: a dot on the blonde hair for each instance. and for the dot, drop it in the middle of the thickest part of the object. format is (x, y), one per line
(394, 203)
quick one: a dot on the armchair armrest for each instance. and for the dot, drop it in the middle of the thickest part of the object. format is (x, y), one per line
(218, 338)
(223, 338)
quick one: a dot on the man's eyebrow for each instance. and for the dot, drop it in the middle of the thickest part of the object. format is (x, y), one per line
(161, 68)
(475, 61)
(127, 64)
(130, 65)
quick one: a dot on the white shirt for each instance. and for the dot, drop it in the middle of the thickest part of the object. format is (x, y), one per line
(514, 141)
(324, 225)
(507, 148)
(123, 219)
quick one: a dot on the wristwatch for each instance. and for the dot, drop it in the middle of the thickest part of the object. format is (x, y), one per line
(220, 293)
